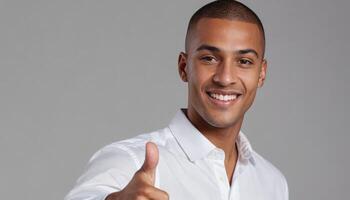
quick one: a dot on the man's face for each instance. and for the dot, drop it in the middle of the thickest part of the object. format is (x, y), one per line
(223, 66)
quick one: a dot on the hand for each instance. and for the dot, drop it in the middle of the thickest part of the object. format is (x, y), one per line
(141, 185)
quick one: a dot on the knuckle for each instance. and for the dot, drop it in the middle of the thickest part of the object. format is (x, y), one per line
(141, 192)
(138, 193)
(146, 191)
(138, 177)
(140, 198)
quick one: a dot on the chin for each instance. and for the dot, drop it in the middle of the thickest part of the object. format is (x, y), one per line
(223, 121)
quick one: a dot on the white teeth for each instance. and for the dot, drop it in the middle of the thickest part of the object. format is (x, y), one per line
(223, 97)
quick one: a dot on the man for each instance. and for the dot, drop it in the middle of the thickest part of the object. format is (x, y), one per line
(202, 154)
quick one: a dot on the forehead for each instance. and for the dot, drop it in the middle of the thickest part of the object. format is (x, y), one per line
(228, 35)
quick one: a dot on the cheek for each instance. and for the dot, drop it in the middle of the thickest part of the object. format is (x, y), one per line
(194, 86)
(198, 78)
(250, 81)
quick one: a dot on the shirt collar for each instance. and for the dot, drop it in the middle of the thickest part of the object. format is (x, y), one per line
(197, 146)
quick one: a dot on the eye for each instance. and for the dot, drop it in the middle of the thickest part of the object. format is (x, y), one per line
(243, 61)
(208, 59)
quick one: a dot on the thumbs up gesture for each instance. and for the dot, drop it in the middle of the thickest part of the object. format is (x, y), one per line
(141, 185)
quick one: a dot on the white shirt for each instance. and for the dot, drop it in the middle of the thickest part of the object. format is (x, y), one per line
(190, 167)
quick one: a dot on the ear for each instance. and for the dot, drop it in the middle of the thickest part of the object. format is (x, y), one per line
(182, 66)
(262, 74)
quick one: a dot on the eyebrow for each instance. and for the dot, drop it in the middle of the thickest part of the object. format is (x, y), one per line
(216, 49)
(245, 51)
(207, 47)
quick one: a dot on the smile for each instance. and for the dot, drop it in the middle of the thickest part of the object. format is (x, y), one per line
(222, 97)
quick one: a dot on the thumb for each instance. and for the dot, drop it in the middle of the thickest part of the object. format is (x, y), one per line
(151, 160)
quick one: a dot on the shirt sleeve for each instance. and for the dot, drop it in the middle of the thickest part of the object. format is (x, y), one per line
(108, 171)
(286, 190)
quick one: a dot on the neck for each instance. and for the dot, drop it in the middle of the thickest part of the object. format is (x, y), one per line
(223, 138)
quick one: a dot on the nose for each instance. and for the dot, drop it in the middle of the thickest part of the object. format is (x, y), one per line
(225, 74)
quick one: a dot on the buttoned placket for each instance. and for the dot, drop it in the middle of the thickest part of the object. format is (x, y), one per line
(241, 165)
(216, 159)
(234, 191)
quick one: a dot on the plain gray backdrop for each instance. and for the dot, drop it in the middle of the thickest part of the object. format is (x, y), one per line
(77, 75)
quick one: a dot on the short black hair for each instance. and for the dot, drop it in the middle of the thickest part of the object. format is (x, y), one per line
(225, 9)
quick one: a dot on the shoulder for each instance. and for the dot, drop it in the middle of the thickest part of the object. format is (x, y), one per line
(159, 137)
(267, 167)
(122, 157)
(132, 148)
(271, 175)
(112, 166)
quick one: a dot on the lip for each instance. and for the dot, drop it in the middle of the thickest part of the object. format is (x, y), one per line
(224, 92)
(224, 104)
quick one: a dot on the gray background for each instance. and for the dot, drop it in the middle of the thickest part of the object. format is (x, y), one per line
(77, 75)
